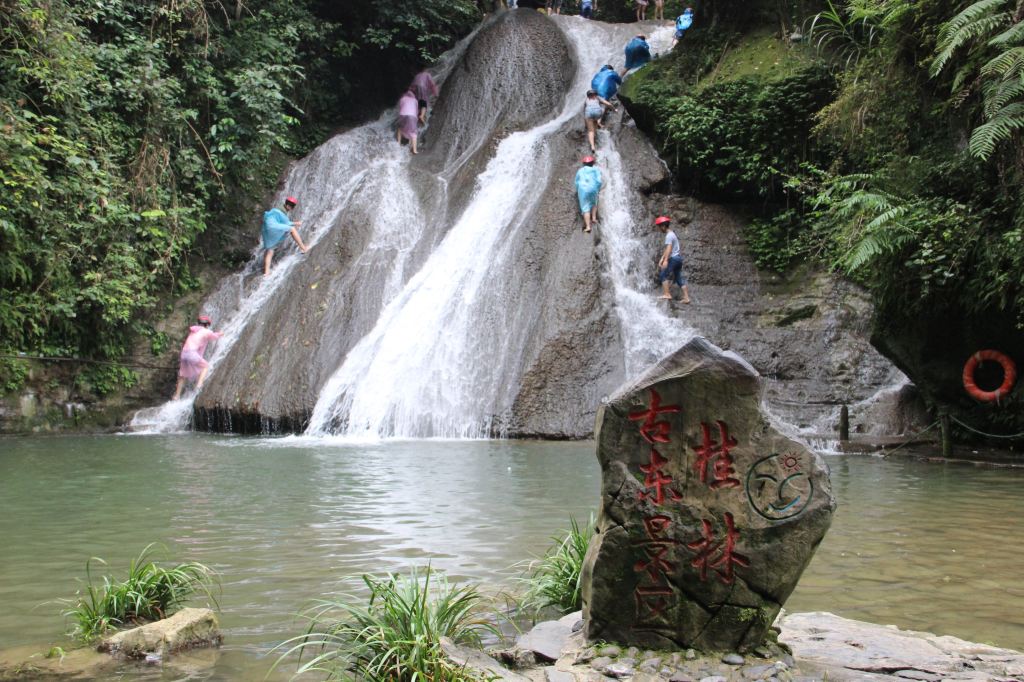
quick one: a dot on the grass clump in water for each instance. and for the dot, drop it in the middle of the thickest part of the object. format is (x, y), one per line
(149, 592)
(395, 635)
(554, 579)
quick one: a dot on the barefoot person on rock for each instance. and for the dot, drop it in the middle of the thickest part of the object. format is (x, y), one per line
(193, 365)
(276, 225)
(593, 111)
(671, 263)
(408, 118)
(588, 186)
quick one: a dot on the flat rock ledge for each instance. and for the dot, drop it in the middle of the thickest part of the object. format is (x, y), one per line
(186, 629)
(810, 647)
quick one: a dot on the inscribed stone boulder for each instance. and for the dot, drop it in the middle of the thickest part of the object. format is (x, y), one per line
(708, 513)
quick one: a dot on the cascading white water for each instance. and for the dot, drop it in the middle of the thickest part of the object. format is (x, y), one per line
(442, 359)
(361, 158)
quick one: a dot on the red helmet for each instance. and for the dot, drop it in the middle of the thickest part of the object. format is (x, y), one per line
(662, 220)
(588, 159)
(291, 200)
(204, 319)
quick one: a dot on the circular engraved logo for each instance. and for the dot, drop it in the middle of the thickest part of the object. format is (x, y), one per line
(779, 486)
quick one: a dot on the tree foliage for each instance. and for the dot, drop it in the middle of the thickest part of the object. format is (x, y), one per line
(128, 125)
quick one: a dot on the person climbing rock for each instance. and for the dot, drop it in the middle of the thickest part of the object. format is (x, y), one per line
(671, 263)
(683, 22)
(638, 53)
(659, 10)
(408, 118)
(587, 9)
(593, 110)
(588, 185)
(276, 225)
(554, 6)
(424, 87)
(641, 10)
(606, 82)
(193, 365)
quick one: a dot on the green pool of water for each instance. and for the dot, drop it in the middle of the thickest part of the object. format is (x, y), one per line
(285, 521)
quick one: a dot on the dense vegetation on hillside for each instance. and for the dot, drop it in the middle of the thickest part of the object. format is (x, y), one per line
(884, 139)
(131, 126)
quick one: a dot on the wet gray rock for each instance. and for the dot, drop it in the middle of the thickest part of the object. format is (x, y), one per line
(546, 640)
(612, 651)
(553, 675)
(680, 677)
(478, 662)
(845, 648)
(709, 514)
(733, 659)
(619, 669)
(601, 662)
(189, 628)
(714, 678)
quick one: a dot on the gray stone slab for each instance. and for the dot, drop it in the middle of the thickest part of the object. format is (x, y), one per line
(546, 639)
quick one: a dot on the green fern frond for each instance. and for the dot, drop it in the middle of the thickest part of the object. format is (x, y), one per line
(998, 95)
(1006, 64)
(974, 21)
(1011, 36)
(997, 129)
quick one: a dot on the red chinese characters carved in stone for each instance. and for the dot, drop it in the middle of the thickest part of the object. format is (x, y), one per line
(716, 454)
(656, 481)
(656, 547)
(718, 556)
(651, 429)
(654, 594)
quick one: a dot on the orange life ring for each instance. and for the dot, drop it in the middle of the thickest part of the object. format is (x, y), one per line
(1009, 376)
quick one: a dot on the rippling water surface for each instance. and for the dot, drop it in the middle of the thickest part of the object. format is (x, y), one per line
(925, 546)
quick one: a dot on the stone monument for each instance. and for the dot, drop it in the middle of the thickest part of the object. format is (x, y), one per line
(708, 513)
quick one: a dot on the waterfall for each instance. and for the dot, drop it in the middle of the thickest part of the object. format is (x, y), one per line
(443, 358)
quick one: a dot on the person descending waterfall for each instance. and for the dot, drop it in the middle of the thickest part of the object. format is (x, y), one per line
(554, 6)
(606, 82)
(683, 22)
(588, 185)
(424, 87)
(638, 53)
(408, 118)
(275, 226)
(587, 8)
(641, 10)
(193, 365)
(659, 10)
(671, 263)
(593, 110)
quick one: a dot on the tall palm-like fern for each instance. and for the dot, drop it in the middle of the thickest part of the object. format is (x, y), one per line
(845, 32)
(993, 32)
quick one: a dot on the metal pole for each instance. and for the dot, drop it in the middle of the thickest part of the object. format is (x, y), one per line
(947, 438)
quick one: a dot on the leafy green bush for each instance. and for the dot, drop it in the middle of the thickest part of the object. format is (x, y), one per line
(149, 592)
(396, 635)
(554, 579)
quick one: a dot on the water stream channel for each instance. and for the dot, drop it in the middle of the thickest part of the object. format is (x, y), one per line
(285, 521)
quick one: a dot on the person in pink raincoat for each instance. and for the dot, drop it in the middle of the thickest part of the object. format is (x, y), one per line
(424, 87)
(193, 365)
(408, 118)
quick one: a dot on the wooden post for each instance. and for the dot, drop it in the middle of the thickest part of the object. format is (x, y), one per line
(844, 423)
(947, 438)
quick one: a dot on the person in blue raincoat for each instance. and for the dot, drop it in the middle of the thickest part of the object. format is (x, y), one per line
(606, 82)
(683, 22)
(638, 53)
(588, 185)
(276, 226)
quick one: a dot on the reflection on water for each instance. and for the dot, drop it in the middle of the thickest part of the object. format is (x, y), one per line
(924, 546)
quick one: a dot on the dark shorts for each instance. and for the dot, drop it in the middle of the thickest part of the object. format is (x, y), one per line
(587, 12)
(679, 33)
(673, 272)
(423, 104)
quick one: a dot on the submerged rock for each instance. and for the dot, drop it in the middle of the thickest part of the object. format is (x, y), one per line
(709, 514)
(186, 629)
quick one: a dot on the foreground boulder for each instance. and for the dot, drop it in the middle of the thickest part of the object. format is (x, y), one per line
(186, 629)
(709, 514)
